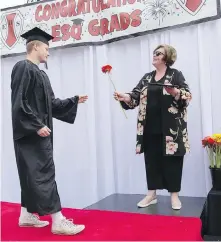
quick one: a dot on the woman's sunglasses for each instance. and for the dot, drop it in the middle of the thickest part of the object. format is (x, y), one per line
(158, 53)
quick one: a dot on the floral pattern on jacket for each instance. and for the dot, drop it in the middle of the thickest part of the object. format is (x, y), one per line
(174, 113)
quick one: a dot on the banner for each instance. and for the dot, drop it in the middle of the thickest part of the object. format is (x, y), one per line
(96, 22)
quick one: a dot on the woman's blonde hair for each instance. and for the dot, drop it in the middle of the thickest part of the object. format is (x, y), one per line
(170, 54)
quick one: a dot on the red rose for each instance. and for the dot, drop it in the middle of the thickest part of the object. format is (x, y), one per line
(211, 141)
(106, 68)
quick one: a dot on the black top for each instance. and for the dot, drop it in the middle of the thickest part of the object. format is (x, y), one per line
(34, 103)
(154, 99)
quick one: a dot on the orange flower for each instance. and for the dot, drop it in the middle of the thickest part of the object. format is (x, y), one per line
(106, 68)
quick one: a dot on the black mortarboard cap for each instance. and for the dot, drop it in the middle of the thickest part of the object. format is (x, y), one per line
(37, 34)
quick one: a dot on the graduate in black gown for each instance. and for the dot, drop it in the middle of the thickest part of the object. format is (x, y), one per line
(33, 105)
(162, 124)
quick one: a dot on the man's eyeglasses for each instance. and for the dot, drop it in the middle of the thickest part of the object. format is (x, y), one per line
(158, 53)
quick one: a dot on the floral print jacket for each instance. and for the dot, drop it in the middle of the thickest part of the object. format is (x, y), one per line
(174, 113)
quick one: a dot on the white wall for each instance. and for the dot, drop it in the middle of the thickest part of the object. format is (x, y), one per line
(11, 3)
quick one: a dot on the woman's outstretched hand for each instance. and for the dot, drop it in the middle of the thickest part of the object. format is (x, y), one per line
(121, 97)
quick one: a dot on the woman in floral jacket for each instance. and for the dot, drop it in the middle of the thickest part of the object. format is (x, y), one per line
(162, 124)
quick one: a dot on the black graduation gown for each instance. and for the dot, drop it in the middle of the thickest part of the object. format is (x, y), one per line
(33, 106)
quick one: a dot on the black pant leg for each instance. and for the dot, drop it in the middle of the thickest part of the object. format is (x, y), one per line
(153, 161)
(162, 172)
(173, 168)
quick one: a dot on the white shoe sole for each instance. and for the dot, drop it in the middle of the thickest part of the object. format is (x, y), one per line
(33, 225)
(176, 207)
(154, 201)
(66, 233)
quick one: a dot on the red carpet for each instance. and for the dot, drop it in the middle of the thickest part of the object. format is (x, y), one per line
(103, 225)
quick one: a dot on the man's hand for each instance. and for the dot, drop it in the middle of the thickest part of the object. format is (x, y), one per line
(44, 132)
(82, 99)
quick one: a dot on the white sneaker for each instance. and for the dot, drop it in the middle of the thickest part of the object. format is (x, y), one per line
(147, 201)
(66, 227)
(32, 220)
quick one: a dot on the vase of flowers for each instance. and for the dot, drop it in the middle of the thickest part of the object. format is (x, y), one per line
(212, 144)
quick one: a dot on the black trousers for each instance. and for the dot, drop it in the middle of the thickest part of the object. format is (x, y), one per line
(162, 172)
